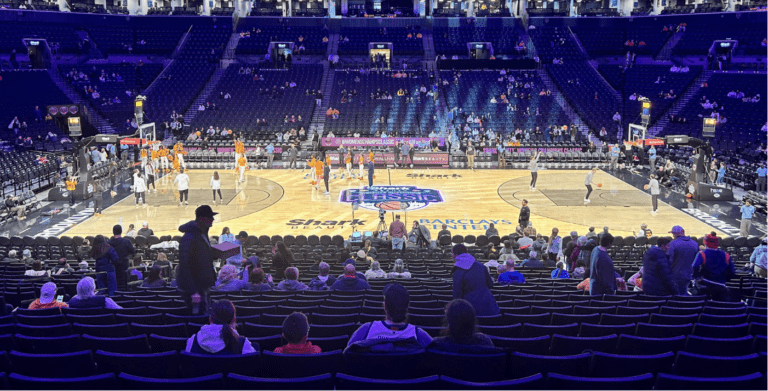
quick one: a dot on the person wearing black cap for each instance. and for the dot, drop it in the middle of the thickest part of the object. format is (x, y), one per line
(472, 282)
(393, 334)
(196, 273)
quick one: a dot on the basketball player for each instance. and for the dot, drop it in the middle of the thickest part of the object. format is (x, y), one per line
(361, 165)
(239, 150)
(326, 174)
(143, 155)
(178, 150)
(588, 183)
(154, 157)
(163, 153)
(149, 172)
(318, 172)
(242, 165)
(348, 162)
(312, 162)
(182, 181)
(533, 165)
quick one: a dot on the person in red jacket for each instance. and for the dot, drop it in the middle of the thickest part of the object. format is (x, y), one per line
(295, 331)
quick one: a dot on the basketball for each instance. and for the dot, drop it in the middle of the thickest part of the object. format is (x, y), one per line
(599, 185)
(645, 187)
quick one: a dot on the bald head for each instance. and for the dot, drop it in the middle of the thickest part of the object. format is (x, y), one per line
(349, 270)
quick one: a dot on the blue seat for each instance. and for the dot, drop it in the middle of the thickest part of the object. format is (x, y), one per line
(158, 343)
(556, 381)
(596, 330)
(77, 364)
(629, 344)
(325, 331)
(284, 365)
(564, 345)
(535, 345)
(504, 331)
(534, 382)
(756, 328)
(120, 330)
(722, 346)
(468, 366)
(127, 345)
(48, 345)
(38, 320)
(193, 364)
(722, 320)
(60, 330)
(673, 319)
(178, 330)
(104, 381)
(662, 331)
(712, 331)
(617, 365)
(330, 343)
(272, 342)
(751, 381)
(536, 330)
(609, 319)
(158, 365)
(400, 365)
(690, 364)
(522, 364)
(259, 330)
(234, 381)
(210, 382)
(102, 319)
(563, 319)
(347, 382)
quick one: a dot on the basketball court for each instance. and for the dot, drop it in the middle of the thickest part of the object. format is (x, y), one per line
(282, 202)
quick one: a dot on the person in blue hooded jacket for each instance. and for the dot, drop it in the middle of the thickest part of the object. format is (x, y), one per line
(657, 270)
(472, 282)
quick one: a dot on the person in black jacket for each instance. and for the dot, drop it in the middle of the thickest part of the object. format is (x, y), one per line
(525, 215)
(657, 270)
(125, 251)
(195, 271)
(472, 282)
(282, 259)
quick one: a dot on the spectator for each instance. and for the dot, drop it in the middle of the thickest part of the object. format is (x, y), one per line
(282, 258)
(162, 261)
(472, 282)
(554, 246)
(86, 296)
(398, 233)
(393, 334)
(295, 332)
(131, 233)
(375, 271)
(561, 271)
(601, 273)
(420, 235)
(491, 231)
(291, 281)
(758, 260)
(154, 280)
(682, 251)
(637, 280)
(533, 260)
(257, 278)
(195, 274)
(399, 270)
(124, 250)
(444, 232)
(47, 298)
(26, 257)
(37, 270)
(145, 231)
(323, 281)
(460, 334)
(657, 270)
(106, 257)
(62, 267)
(350, 281)
(219, 337)
(510, 276)
(747, 211)
(712, 268)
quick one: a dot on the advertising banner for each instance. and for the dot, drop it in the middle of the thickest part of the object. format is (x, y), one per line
(371, 142)
(381, 159)
(527, 149)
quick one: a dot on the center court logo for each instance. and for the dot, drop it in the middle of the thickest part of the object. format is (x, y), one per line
(391, 197)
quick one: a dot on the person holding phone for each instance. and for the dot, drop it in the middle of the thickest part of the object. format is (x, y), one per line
(48, 298)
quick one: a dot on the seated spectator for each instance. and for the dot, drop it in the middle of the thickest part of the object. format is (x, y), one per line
(37, 270)
(145, 231)
(637, 281)
(62, 267)
(86, 296)
(291, 282)
(399, 270)
(560, 272)
(138, 263)
(228, 281)
(532, 261)
(350, 281)
(83, 266)
(256, 278)
(219, 337)
(295, 332)
(712, 268)
(375, 271)
(510, 276)
(154, 280)
(491, 231)
(323, 281)
(47, 298)
(162, 261)
(393, 334)
(580, 270)
(460, 334)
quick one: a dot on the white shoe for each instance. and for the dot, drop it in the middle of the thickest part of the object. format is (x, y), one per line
(533, 188)
(326, 193)
(179, 203)
(186, 203)
(587, 200)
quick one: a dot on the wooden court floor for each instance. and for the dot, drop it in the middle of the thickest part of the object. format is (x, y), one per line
(282, 202)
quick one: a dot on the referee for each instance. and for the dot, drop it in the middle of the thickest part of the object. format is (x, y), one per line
(588, 183)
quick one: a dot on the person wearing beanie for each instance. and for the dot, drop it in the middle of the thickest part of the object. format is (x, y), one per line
(712, 268)
(682, 252)
(295, 332)
(657, 270)
(47, 298)
(394, 333)
(472, 282)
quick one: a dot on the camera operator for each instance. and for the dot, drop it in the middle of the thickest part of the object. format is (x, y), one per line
(15, 205)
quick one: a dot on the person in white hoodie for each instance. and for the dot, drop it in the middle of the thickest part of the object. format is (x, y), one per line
(216, 186)
(149, 171)
(140, 189)
(220, 337)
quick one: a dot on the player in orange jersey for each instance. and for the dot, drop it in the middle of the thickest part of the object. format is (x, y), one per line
(361, 165)
(348, 163)
(242, 165)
